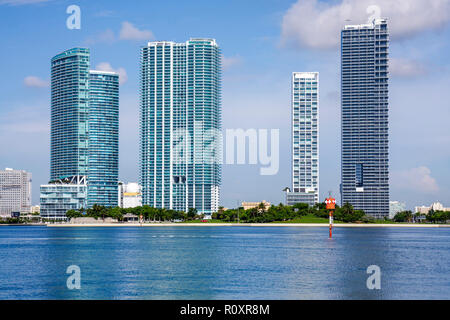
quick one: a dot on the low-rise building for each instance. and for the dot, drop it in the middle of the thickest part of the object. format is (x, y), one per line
(36, 209)
(130, 195)
(62, 195)
(251, 205)
(436, 206)
(396, 207)
(15, 192)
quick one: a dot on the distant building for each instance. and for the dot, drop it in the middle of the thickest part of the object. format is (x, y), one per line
(15, 192)
(36, 209)
(436, 206)
(251, 205)
(305, 139)
(396, 207)
(62, 195)
(130, 195)
(421, 209)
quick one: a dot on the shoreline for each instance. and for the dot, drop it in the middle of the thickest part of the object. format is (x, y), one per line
(338, 225)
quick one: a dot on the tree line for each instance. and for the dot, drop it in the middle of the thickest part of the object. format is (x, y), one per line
(260, 214)
(281, 212)
(148, 213)
(254, 215)
(432, 216)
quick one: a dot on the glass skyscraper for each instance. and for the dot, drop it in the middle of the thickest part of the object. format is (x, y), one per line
(364, 116)
(305, 139)
(180, 125)
(69, 114)
(103, 169)
(84, 133)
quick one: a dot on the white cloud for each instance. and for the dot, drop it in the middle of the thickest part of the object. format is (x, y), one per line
(416, 179)
(228, 62)
(35, 82)
(130, 32)
(106, 66)
(406, 68)
(315, 24)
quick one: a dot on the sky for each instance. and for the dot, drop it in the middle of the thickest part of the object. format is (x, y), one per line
(262, 43)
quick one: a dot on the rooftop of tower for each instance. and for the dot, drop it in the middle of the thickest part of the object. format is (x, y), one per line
(374, 23)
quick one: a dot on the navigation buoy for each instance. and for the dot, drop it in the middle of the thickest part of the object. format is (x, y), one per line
(330, 206)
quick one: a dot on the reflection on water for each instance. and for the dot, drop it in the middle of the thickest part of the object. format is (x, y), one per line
(224, 263)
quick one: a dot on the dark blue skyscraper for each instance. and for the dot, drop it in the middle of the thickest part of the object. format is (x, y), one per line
(364, 116)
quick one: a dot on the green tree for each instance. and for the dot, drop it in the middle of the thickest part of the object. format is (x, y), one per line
(403, 216)
(192, 213)
(73, 214)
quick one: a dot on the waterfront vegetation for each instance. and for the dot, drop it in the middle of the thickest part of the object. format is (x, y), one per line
(298, 213)
(432, 216)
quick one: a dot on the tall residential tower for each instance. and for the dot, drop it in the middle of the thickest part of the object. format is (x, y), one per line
(305, 139)
(84, 136)
(180, 123)
(103, 162)
(364, 116)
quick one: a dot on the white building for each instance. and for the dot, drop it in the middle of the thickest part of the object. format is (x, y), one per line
(396, 207)
(305, 139)
(36, 209)
(130, 195)
(15, 192)
(436, 206)
(60, 196)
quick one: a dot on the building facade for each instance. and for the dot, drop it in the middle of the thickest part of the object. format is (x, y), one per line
(396, 207)
(180, 123)
(435, 206)
(130, 195)
(250, 205)
(63, 195)
(84, 135)
(15, 192)
(364, 116)
(305, 139)
(103, 161)
(69, 140)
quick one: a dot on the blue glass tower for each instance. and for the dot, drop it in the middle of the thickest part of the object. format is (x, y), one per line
(69, 114)
(180, 124)
(84, 129)
(364, 116)
(103, 172)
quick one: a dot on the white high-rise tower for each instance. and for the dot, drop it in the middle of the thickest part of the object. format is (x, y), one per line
(305, 139)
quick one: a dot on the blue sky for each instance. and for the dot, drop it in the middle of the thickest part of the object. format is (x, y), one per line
(262, 42)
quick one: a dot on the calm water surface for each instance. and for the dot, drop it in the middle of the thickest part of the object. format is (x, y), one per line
(224, 262)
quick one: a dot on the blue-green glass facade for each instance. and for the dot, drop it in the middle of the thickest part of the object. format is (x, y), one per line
(103, 169)
(180, 122)
(69, 114)
(85, 125)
